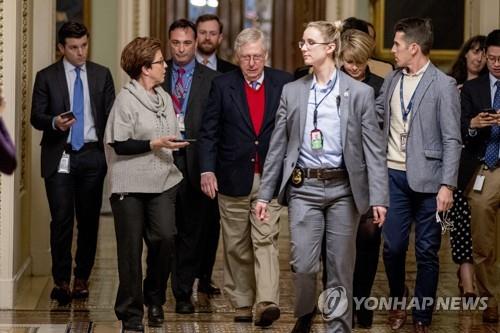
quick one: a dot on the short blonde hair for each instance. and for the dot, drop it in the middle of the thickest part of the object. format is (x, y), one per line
(250, 35)
(357, 46)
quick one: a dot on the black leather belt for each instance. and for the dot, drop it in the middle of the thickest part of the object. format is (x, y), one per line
(88, 145)
(325, 174)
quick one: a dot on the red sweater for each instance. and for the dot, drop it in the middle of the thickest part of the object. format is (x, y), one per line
(256, 100)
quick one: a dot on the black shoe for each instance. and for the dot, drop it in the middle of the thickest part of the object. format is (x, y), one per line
(304, 323)
(364, 318)
(80, 289)
(132, 326)
(61, 293)
(209, 288)
(155, 316)
(184, 307)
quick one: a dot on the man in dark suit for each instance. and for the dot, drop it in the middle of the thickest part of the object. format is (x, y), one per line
(481, 134)
(197, 216)
(234, 140)
(209, 32)
(73, 163)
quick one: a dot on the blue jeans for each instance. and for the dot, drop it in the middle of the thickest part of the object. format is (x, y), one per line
(406, 206)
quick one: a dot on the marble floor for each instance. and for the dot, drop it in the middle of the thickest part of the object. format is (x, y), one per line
(36, 313)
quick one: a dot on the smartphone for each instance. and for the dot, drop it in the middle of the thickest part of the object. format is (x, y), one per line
(67, 115)
(184, 140)
(489, 110)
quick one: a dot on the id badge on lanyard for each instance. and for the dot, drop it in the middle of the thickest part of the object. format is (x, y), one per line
(405, 111)
(180, 122)
(316, 140)
(64, 163)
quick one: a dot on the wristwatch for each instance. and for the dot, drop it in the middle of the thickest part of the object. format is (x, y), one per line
(449, 187)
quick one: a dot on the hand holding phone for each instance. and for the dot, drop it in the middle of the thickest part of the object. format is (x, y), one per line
(67, 115)
(184, 140)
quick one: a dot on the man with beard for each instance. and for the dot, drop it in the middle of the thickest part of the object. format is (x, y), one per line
(209, 31)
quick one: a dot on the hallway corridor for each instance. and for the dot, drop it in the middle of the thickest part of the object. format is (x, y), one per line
(36, 313)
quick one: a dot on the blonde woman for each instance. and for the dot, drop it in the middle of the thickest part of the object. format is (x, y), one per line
(329, 148)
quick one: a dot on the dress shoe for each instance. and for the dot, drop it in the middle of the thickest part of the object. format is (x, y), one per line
(61, 293)
(419, 327)
(132, 327)
(184, 307)
(304, 323)
(243, 315)
(80, 289)
(490, 315)
(364, 318)
(155, 316)
(397, 319)
(209, 288)
(266, 313)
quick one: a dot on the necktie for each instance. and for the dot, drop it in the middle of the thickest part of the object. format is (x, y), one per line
(254, 84)
(77, 140)
(491, 154)
(178, 95)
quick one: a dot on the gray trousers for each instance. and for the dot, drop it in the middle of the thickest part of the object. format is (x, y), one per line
(323, 208)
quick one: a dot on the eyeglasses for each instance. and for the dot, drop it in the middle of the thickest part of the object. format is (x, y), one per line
(162, 61)
(255, 57)
(492, 59)
(310, 43)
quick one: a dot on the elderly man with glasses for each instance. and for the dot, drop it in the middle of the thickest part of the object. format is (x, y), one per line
(234, 140)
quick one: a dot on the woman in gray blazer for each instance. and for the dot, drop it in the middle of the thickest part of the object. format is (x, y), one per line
(329, 148)
(140, 136)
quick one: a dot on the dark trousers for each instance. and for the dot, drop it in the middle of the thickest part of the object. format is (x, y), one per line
(406, 206)
(77, 193)
(367, 251)
(197, 220)
(138, 216)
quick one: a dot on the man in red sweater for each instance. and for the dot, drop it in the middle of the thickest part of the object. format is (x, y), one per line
(234, 140)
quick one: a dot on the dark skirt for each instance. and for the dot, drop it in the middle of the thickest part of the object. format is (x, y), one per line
(460, 234)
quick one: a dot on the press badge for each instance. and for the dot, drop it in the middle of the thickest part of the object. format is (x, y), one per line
(64, 163)
(180, 122)
(403, 137)
(478, 183)
(316, 140)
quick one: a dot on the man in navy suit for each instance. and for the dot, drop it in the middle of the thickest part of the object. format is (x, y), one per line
(73, 163)
(197, 216)
(234, 140)
(481, 133)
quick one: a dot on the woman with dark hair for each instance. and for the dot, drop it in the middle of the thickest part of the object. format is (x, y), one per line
(140, 135)
(470, 64)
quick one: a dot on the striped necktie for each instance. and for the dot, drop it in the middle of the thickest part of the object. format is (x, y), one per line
(178, 93)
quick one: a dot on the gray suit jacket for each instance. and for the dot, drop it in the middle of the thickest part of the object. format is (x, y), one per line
(434, 140)
(363, 143)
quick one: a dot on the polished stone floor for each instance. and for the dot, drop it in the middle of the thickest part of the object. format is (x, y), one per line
(35, 313)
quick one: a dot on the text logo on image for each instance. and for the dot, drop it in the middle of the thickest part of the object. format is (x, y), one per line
(333, 303)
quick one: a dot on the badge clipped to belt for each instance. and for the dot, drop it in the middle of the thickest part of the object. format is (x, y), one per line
(297, 177)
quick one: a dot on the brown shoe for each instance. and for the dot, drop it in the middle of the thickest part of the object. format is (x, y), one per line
(243, 315)
(419, 327)
(490, 315)
(202, 303)
(266, 313)
(80, 289)
(396, 319)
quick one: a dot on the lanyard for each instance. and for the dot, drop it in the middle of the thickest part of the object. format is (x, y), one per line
(406, 111)
(316, 105)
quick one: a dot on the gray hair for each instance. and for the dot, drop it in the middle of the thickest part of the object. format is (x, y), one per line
(250, 35)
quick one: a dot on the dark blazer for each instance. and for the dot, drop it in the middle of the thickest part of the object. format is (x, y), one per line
(224, 66)
(197, 100)
(475, 96)
(228, 142)
(51, 97)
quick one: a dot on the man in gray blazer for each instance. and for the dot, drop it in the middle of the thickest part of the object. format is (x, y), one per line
(420, 108)
(326, 190)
